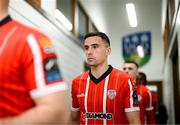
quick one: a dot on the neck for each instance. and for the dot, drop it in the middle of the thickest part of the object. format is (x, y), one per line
(3, 13)
(97, 71)
(134, 82)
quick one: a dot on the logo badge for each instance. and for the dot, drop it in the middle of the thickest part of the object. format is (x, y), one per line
(47, 45)
(137, 47)
(111, 94)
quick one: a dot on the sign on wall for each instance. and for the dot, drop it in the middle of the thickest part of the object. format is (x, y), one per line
(137, 47)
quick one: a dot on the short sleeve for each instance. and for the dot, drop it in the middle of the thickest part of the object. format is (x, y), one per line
(130, 98)
(75, 103)
(148, 100)
(40, 67)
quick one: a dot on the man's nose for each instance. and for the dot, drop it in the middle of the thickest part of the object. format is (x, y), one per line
(89, 51)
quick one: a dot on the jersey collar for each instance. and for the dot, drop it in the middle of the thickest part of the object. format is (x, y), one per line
(103, 76)
(5, 20)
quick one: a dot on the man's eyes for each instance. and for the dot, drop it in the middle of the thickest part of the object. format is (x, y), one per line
(95, 46)
(129, 68)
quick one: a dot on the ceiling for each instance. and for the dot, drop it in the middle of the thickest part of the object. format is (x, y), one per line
(110, 15)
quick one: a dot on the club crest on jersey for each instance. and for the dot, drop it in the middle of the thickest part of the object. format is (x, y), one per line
(111, 94)
(47, 45)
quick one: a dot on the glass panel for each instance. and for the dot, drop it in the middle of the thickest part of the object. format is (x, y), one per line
(92, 28)
(82, 24)
(65, 6)
(37, 3)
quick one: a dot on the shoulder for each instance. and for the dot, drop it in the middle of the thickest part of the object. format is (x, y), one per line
(26, 30)
(119, 73)
(33, 38)
(82, 76)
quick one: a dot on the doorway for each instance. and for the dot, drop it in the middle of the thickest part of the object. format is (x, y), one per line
(176, 84)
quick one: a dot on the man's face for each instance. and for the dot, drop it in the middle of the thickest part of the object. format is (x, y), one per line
(96, 50)
(131, 69)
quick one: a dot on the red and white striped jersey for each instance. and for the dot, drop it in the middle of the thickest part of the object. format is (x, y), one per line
(104, 100)
(28, 67)
(145, 104)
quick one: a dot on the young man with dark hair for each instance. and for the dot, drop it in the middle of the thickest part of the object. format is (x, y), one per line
(102, 95)
(144, 95)
(32, 90)
(142, 78)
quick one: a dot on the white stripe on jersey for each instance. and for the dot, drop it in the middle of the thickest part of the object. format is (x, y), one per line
(132, 109)
(38, 66)
(55, 87)
(7, 38)
(42, 89)
(131, 93)
(75, 109)
(131, 99)
(149, 109)
(150, 102)
(86, 96)
(105, 97)
(150, 99)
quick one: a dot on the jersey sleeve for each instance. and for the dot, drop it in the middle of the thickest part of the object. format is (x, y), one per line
(149, 110)
(41, 71)
(75, 103)
(148, 100)
(130, 98)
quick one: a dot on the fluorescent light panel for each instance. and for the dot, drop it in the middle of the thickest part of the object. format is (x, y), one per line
(67, 24)
(131, 12)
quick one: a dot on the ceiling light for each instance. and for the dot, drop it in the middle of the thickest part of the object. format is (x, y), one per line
(131, 12)
(67, 24)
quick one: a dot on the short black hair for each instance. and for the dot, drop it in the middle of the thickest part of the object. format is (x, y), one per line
(100, 34)
(143, 76)
(135, 63)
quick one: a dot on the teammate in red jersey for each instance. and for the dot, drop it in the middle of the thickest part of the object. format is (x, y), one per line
(31, 87)
(144, 95)
(102, 95)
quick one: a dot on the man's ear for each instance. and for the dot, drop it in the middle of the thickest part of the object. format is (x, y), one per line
(108, 51)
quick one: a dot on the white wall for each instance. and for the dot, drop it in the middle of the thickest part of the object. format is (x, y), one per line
(70, 54)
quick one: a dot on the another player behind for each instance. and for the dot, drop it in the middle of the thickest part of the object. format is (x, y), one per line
(103, 94)
(144, 95)
(32, 90)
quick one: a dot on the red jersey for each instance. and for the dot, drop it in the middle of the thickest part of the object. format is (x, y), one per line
(28, 67)
(104, 100)
(145, 104)
(155, 101)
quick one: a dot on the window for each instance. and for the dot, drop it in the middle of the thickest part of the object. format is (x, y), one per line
(92, 27)
(82, 23)
(36, 3)
(65, 6)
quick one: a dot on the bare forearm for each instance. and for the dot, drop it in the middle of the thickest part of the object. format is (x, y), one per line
(37, 115)
(49, 109)
(134, 117)
(75, 118)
